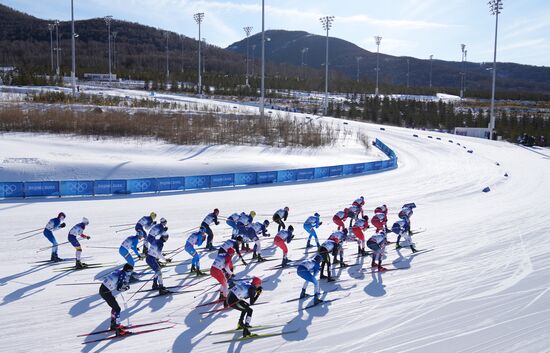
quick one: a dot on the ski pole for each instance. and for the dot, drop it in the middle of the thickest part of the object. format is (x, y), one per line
(121, 225)
(123, 230)
(173, 251)
(27, 232)
(49, 247)
(29, 236)
(140, 288)
(125, 309)
(171, 257)
(77, 284)
(206, 290)
(102, 247)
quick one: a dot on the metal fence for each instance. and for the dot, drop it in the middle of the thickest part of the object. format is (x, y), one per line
(131, 186)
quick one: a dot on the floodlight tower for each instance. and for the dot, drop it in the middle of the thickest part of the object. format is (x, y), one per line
(464, 74)
(326, 22)
(114, 35)
(51, 26)
(57, 47)
(73, 50)
(108, 20)
(463, 46)
(198, 18)
(359, 58)
(431, 59)
(247, 30)
(496, 7)
(377, 39)
(262, 85)
(304, 51)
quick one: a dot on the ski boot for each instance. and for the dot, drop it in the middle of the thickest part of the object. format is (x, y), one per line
(343, 264)
(243, 325)
(246, 332)
(260, 258)
(359, 252)
(322, 276)
(336, 262)
(80, 265)
(121, 331)
(200, 273)
(163, 290)
(155, 286)
(331, 279)
(413, 249)
(55, 258)
(397, 246)
(381, 269)
(316, 299)
(303, 293)
(308, 245)
(193, 269)
(254, 256)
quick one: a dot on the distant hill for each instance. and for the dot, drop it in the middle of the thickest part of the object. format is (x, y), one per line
(140, 50)
(286, 47)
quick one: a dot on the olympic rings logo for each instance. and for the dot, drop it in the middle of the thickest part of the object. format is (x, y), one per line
(78, 188)
(143, 185)
(9, 188)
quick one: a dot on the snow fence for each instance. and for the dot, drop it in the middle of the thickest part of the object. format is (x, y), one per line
(148, 185)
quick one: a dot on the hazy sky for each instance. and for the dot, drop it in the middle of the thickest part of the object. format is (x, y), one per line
(415, 28)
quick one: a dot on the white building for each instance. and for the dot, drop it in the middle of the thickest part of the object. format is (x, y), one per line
(480, 132)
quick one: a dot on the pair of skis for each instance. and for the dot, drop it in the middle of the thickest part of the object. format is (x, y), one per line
(128, 333)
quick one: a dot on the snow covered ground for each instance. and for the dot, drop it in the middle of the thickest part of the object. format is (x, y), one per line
(485, 287)
(39, 157)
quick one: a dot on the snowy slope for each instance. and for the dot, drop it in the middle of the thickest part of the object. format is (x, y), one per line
(27, 157)
(484, 287)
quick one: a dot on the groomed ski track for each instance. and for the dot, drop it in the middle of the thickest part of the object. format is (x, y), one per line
(484, 288)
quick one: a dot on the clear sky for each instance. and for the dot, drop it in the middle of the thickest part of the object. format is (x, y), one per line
(415, 28)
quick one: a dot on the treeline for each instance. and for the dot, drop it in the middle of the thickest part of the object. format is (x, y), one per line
(440, 115)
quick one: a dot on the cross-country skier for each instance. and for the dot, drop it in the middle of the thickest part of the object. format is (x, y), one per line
(222, 270)
(232, 222)
(310, 224)
(242, 223)
(354, 211)
(206, 222)
(339, 237)
(53, 225)
(130, 244)
(153, 256)
(377, 243)
(118, 280)
(357, 229)
(233, 243)
(145, 223)
(282, 237)
(379, 221)
(155, 232)
(327, 248)
(196, 238)
(236, 300)
(280, 216)
(340, 217)
(381, 209)
(252, 235)
(78, 231)
(402, 229)
(308, 270)
(360, 201)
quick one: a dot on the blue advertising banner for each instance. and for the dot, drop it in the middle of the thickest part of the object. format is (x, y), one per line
(141, 185)
(286, 175)
(266, 177)
(41, 188)
(197, 182)
(322, 172)
(76, 188)
(16, 189)
(305, 174)
(245, 178)
(222, 180)
(336, 170)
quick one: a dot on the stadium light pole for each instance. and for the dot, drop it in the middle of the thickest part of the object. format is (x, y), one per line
(204, 56)
(465, 61)
(50, 28)
(115, 33)
(262, 85)
(73, 50)
(359, 58)
(326, 22)
(463, 46)
(431, 59)
(167, 34)
(108, 20)
(182, 52)
(377, 39)
(253, 60)
(57, 47)
(496, 7)
(198, 18)
(408, 71)
(304, 51)
(247, 30)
